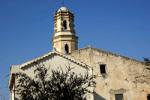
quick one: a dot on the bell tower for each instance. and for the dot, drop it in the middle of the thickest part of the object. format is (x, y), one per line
(64, 37)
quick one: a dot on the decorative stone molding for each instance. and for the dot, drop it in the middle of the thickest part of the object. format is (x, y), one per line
(118, 91)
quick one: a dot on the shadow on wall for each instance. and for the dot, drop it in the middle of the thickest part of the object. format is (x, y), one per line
(98, 97)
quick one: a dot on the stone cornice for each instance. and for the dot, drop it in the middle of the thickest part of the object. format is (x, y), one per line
(63, 36)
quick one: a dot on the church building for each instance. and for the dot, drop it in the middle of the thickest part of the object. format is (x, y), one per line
(117, 77)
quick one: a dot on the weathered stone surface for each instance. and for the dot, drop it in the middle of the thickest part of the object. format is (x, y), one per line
(123, 75)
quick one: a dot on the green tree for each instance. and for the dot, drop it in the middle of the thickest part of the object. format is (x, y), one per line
(59, 85)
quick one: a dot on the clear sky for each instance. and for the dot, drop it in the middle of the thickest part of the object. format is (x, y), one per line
(26, 27)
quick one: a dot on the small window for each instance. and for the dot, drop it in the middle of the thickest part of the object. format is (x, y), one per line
(102, 68)
(148, 97)
(66, 48)
(118, 96)
(65, 24)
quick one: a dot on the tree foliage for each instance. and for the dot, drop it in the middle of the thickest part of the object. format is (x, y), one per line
(59, 85)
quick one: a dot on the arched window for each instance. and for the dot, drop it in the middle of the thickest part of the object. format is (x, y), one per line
(65, 24)
(66, 48)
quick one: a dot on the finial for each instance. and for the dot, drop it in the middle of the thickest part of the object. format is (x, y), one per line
(62, 2)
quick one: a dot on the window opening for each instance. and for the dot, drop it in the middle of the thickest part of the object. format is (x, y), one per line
(148, 97)
(118, 96)
(103, 69)
(65, 24)
(66, 48)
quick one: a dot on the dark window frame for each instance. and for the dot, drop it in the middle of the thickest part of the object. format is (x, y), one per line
(102, 68)
(119, 96)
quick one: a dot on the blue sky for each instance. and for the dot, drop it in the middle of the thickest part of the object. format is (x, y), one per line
(26, 27)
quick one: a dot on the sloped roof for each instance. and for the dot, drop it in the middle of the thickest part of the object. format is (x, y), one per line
(24, 65)
(50, 54)
(110, 53)
(17, 68)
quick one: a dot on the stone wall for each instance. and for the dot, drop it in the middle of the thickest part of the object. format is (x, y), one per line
(123, 75)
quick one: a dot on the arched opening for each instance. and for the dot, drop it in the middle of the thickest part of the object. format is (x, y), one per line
(66, 48)
(65, 24)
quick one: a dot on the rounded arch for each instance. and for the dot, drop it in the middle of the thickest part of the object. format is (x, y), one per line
(66, 48)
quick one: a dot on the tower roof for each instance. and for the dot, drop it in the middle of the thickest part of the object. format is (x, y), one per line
(63, 9)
